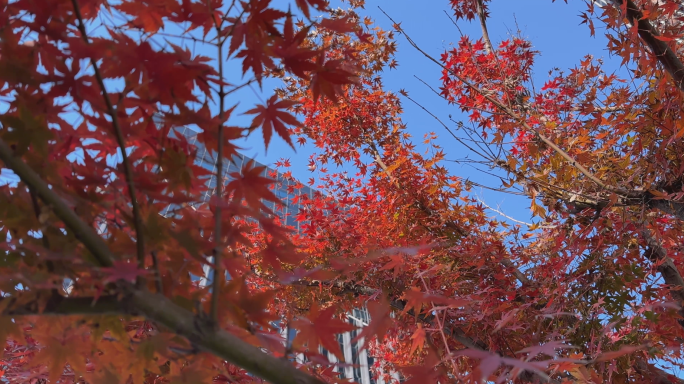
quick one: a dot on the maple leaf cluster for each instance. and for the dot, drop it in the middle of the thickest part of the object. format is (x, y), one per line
(94, 94)
(110, 222)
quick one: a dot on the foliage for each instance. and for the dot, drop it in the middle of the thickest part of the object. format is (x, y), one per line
(454, 295)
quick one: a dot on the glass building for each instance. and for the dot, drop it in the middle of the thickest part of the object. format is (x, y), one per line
(286, 189)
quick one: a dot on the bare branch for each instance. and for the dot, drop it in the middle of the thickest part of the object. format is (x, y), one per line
(503, 214)
(483, 26)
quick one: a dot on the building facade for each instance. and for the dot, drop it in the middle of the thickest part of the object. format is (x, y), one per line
(285, 190)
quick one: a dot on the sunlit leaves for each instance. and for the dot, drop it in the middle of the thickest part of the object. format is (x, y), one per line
(274, 116)
(252, 186)
(394, 230)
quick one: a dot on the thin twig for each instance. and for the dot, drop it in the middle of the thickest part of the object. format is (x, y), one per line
(444, 125)
(507, 110)
(502, 214)
(440, 324)
(140, 237)
(158, 280)
(218, 252)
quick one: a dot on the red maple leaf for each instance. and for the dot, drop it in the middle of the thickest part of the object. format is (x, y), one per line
(295, 58)
(320, 328)
(379, 312)
(339, 25)
(320, 5)
(273, 116)
(257, 33)
(251, 186)
(329, 77)
(418, 338)
(122, 270)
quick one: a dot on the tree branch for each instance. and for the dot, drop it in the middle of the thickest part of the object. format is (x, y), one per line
(218, 342)
(648, 33)
(509, 112)
(674, 208)
(483, 26)
(157, 307)
(128, 171)
(657, 375)
(83, 232)
(668, 270)
(66, 306)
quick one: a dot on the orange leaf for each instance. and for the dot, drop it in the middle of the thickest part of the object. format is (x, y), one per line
(321, 329)
(418, 339)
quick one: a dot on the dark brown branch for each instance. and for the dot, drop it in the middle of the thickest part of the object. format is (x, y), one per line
(660, 49)
(668, 270)
(208, 338)
(66, 306)
(656, 375)
(674, 208)
(128, 171)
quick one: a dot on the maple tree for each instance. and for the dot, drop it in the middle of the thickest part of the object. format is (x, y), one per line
(592, 293)
(111, 98)
(453, 294)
